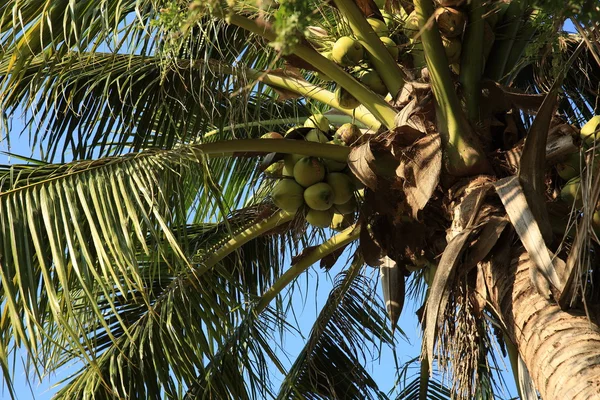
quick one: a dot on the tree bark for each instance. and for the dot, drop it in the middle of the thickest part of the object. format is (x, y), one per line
(561, 349)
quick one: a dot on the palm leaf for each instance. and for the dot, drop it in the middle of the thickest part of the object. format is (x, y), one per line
(330, 366)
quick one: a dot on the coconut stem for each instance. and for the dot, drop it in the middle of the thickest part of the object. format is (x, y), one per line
(335, 119)
(317, 93)
(382, 60)
(505, 38)
(381, 110)
(244, 237)
(471, 66)
(461, 148)
(334, 243)
(227, 148)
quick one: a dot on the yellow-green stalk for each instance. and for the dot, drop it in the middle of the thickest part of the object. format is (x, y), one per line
(461, 148)
(382, 60)
(471, 66)
(381, 110)
(334, 243)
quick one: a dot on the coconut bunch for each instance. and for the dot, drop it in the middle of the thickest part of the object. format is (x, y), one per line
(349, 54)
(451, 21)
(323, 189)
(571, 167)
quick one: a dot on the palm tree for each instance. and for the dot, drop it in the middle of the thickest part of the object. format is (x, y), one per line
(145, 244)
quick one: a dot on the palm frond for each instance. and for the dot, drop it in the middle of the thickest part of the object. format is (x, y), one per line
(330, 366)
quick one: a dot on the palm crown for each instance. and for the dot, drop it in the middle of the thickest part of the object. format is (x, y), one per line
(440, 141)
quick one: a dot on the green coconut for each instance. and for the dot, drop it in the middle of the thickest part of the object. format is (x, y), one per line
(591, 130)
(342, 185)
(348, 133)
(345, 99)
(348, 207)
(272, 135)
(570, 167)
(319, 196)
(596, 222)
(340, 222)
(347, 51)
(289, 161)
(571, 192)
(411, 25)
(379, 26)
(309, 171)
(288, 195)
(315, 135)
(453, 47)
(391, 46)
(319, 219)
(371, 79)
(275, 169)
(451, 22)
(318, 121)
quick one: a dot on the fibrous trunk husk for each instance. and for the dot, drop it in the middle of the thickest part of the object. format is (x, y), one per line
(561, 349)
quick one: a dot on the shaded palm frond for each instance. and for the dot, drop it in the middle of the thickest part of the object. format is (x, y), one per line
(421, 385)
(330, 366)
(580, 85)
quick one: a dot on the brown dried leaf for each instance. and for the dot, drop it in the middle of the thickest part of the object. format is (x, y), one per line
(479, 297)
(485, 241)
(393, 287)
(420, 169)
(532, 168)
(542, 272)
(330, 259)
(368, 8)
(438, 295)
(305, 252)
(360, 161)
(371, 251)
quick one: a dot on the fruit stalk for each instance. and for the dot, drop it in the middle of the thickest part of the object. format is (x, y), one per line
(244, 237)
(227, 148)
(333, 118)
(471, 66)
(381, 110)
(461, 148)
(382, 60)
(334, 243)
(317, 93)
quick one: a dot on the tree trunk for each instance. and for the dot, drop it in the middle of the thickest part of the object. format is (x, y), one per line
(561, 349)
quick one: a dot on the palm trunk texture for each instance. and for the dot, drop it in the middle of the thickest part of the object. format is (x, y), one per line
(561, 349)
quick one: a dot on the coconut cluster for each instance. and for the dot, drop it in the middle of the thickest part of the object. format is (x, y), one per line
(349, 54)
(324, 189)
(570, 169)
(399, 32)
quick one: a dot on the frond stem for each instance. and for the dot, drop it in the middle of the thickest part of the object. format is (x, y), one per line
(472, 60)
(385, 113)
(462, 149)
(335, 119)
(382, 60)
(254, 231)
(334, 243)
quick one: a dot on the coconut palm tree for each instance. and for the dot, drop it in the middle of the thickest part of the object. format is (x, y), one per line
(147, 246)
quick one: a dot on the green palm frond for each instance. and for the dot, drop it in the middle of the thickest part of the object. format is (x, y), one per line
(330, 366)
